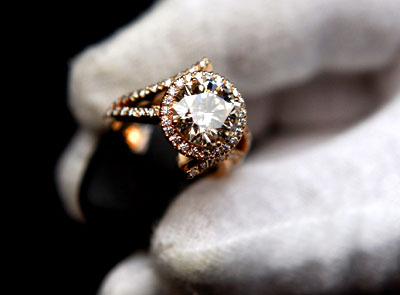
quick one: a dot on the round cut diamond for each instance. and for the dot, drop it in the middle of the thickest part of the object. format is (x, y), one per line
(202, 114)
(206, 111)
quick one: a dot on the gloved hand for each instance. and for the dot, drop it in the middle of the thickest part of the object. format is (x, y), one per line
(313, 209)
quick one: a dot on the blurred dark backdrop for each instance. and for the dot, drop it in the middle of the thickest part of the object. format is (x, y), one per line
(68, 257)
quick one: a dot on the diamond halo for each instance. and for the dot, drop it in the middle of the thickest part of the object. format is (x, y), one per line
(203, 115)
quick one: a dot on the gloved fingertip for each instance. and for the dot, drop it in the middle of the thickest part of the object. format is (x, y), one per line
(70, 169)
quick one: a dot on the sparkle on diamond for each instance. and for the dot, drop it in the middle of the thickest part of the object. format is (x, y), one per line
(202, 114)
(206, 112)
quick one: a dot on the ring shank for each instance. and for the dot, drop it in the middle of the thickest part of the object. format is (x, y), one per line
(131, 111)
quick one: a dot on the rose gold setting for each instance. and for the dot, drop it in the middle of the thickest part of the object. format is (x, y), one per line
(219, 145)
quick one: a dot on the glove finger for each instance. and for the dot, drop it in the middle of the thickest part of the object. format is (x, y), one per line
(326, 102)
(261, 47)
(71, 168)
(323, 217)
(134, 275)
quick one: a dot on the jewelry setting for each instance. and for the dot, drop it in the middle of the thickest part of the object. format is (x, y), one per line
(201, 113)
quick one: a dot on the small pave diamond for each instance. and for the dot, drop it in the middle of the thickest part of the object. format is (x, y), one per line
(124, 111)
(226, 147)
(179, 83)
(131, 112)
(172, 90)
(141, 112)
(168, 82)
(151, 112)
(192, 173)
(203, 165)
(169, 130)
(184, 147)
(165, 121)
(242, 122)
(168, 100)
(164, 110)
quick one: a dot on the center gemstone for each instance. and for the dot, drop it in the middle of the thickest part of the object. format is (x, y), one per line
(202, 114)
(207, 110)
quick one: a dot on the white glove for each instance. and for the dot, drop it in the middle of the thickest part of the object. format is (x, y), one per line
(315, 209)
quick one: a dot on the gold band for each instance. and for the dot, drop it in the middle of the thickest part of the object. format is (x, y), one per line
(144, 106)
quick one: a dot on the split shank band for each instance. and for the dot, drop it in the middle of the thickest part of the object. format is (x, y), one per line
(201, 113)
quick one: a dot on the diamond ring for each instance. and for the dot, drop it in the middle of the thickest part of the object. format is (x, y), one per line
(201, 113)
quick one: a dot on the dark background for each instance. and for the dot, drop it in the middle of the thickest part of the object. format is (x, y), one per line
(64, 256)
